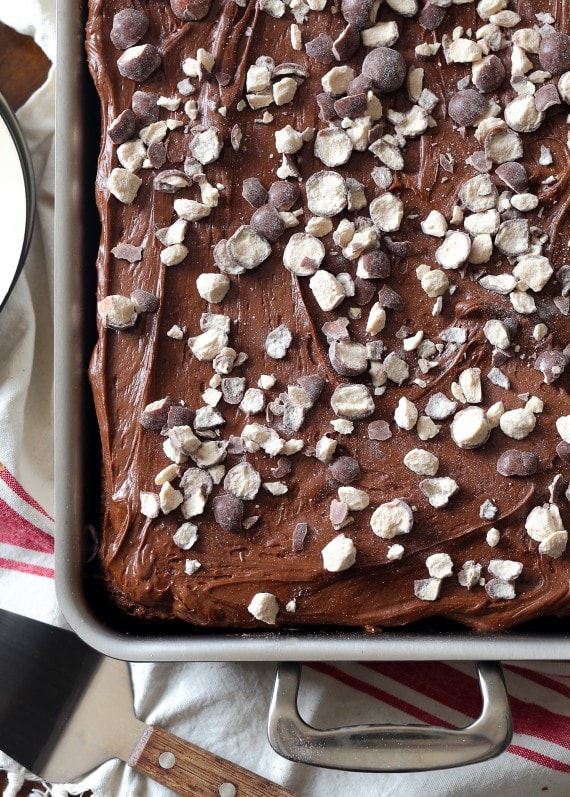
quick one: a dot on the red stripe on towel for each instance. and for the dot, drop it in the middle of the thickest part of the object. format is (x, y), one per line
(16, 530)
(17, 488)
(539, 758)
(437, 681)
(25, 567)
(379, 694)
(539, 678)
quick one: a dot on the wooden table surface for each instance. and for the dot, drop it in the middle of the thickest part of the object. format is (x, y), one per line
(23, 69)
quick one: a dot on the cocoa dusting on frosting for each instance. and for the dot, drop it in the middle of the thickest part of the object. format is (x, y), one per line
(333, 309)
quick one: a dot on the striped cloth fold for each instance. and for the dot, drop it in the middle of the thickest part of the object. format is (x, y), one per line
(26, 553)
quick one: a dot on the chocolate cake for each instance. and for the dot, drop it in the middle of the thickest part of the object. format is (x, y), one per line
(331, 375)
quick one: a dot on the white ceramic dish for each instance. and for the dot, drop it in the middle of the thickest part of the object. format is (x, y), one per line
(17, 200)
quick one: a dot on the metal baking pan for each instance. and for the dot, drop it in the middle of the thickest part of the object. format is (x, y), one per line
(84, 608)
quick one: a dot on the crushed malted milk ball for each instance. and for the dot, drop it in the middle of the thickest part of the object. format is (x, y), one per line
(426, 428)
(391, 519)
(185, 536)
(278, 341)
(339, 554)
(243, 481)
(194, 504)
(435, 283)
(533, 270)
(382, 34)
(439, 565)
(522, 302)
(150, 504)
(191, 210)
(412, 343)
(534, 404)
(131, 155)
(337, 80)
(191, 566)
(355, 499)
(454, 251)
(175, 332)
(276, 488)
(496, 333)
(488, 510)
(554, 545)
(469, 574)
(184, 439)
(435, 224)
(169, 498)
(327, 290)
(439, 407)
(563, 427)
(395, 552)
(470, 428)
(207, 146)
(406, 414)
(396, 368)
(494, 413)
(342, 426)
(264, 606)
(296, 37)
(253, 401)
(542, 521)
(209, 344)
(387, 212)
(376, 319)
(266, 381)
(288, 140)
(427, 589)
(470, 383)
(318, 226)
(493, 537)
(117, 312)
(325, 448)
(500, 590)
(352, 401)
(124, 185)
(284, 91)
(174, 254)
(213, 287)
(166, 475)
(174, 454)
(211, 396)
(422, 462)
(505, 569)
(518, 423)
(439, 490)
(333, 146)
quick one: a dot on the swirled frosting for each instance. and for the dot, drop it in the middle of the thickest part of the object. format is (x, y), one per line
(145, 569)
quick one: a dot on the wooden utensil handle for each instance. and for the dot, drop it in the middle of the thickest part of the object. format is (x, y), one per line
(193, 772)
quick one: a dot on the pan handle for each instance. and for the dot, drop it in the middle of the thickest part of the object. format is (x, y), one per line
(390, 748)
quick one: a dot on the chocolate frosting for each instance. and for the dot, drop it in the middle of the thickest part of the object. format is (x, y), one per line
(144, 568)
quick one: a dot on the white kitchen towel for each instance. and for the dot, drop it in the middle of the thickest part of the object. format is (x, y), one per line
(223, 707)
